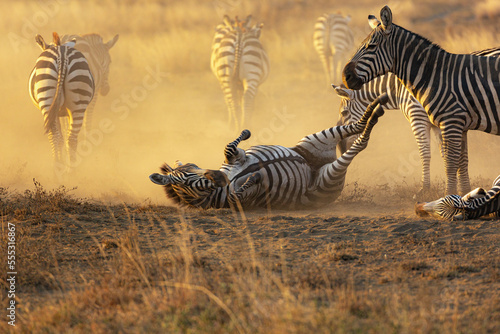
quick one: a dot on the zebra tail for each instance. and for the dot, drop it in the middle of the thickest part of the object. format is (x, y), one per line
(56, 105)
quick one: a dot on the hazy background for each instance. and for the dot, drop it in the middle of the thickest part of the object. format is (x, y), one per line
(143, 123)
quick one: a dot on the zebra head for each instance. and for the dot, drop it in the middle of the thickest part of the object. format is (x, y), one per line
(448, 207)
(104, 62)
(350, 112)
(188, 183)
(375, 56)
(56, 41)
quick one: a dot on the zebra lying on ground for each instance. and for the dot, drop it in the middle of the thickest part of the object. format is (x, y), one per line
(61, 85)
(97, 54)
(354, 103)
(459, 92)
(475, 204)
(271, 176)
(240, 63)
(333, 40)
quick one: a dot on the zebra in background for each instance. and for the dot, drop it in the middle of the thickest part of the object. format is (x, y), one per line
(477, 203)
(97, 54)
(459, 92)
(354, 103)
(60, 85)
(271, 176)
(240, 63)
(333, 40)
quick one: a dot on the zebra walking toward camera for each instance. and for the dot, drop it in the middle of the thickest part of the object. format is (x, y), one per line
(354, 103)
(97, 54)
(240, 63)
(271, 176)
(60, 85)
(333, 40)
(459, 92)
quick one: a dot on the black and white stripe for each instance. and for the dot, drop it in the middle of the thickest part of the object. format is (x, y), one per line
(459, 92)
(354, 103)
(272, 176)
(240, 63)
(97, 54)
(333, 40)
(477, 203)
(61, 85)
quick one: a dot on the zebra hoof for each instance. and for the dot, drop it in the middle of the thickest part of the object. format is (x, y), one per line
(245, 134)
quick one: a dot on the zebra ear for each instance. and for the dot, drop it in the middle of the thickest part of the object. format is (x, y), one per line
(347, 19)
(386, 17)
(166, 169)
(112, 42)
(343, 92)
(373, 21)
(41, 42)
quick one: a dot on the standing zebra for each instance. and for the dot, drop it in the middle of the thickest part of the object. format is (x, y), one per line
(475, 204)
(271, 176)
(240, 63)
(333, 41)
(97, 54)
(61, 84)
(354, 103)
(459, 92)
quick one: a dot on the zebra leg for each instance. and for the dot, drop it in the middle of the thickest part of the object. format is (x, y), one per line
(75, 125)
(229, 97)
(336, 67)
(232, 152)
(249, 92)
(56, 140)
(331, 177)
(88, 116)
(243, 192)
(421, 132)
(452, 147)
(463, 168)
(319, 148)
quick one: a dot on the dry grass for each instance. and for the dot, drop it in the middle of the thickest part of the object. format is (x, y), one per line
(364, 265)
(131, 268)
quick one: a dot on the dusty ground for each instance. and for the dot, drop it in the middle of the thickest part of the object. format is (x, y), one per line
(352, 267)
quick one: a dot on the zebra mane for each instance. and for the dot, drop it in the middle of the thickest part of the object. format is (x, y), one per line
(425, 39)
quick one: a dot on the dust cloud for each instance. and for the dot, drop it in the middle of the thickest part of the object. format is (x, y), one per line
(165, 104)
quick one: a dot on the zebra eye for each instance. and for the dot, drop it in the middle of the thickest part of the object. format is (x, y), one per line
(371, 46)
(344, 113)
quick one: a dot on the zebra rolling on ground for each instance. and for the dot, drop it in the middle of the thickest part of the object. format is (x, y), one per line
(240, 63)
(459, 92)
(477, 203)
(97, 54)
(271, 176)
(60, 85)
(333, 40)
(354, 103)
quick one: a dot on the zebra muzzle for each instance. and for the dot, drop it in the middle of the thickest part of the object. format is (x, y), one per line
(420, 209)
(350, 78)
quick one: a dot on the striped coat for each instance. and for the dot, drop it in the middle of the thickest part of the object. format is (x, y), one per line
(477, 203)
(240, 64)
(97, 54)
(61, 85)
(459, 92)
(333, 41)
(354, 103)
(271, 176)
